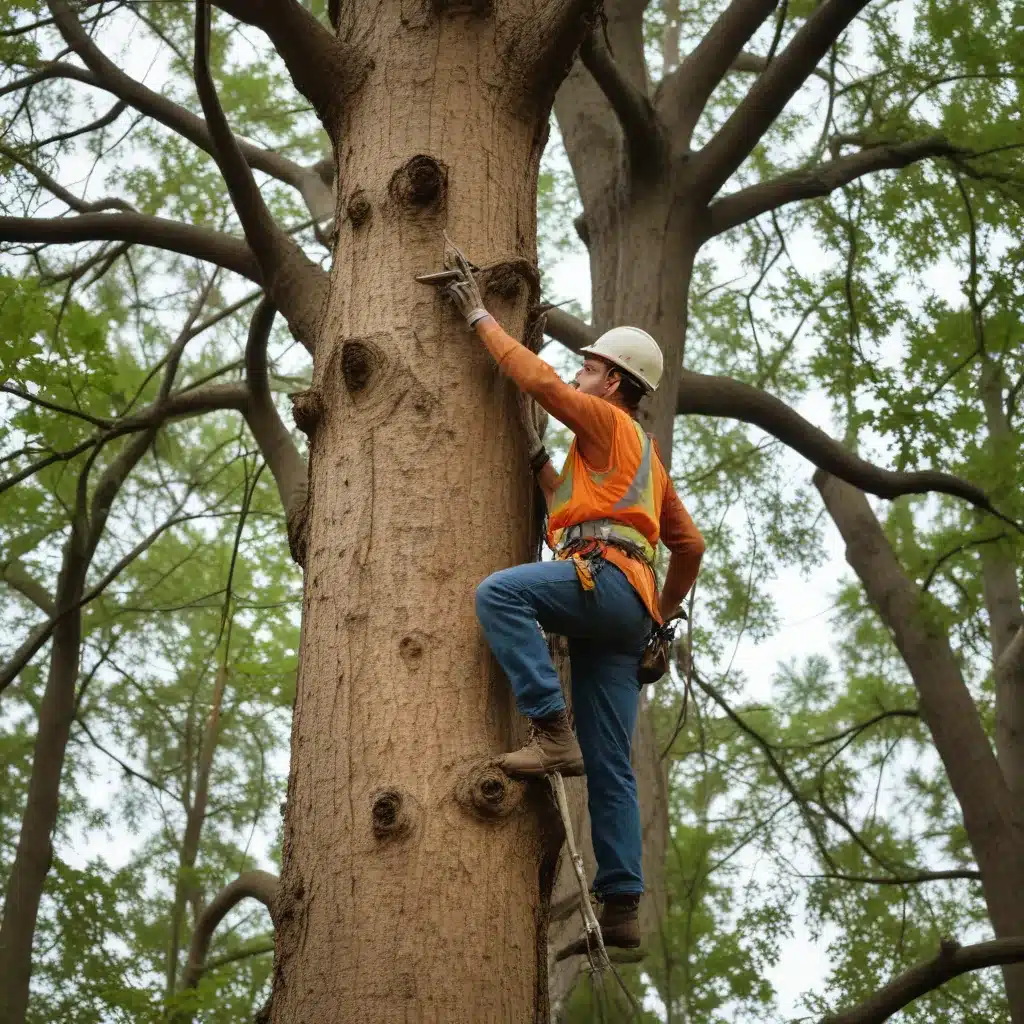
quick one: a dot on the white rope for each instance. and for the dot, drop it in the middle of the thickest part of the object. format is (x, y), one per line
(592, 930)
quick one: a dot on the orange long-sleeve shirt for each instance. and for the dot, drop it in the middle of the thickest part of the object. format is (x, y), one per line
(593, 421)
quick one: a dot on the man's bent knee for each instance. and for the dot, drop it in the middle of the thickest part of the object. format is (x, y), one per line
(490, 594)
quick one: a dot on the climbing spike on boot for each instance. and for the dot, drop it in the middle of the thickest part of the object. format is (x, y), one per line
(552, 748)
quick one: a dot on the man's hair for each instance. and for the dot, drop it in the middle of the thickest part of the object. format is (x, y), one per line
(630, 389)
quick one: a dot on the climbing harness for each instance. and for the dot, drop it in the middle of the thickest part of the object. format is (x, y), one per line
(582, 543)
(611, 532)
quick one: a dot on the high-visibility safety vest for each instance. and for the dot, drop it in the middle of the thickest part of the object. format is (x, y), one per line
(622, 501)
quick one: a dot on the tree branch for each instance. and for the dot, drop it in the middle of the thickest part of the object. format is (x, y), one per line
(700, 394)
(256, 949)
(25, 396)
(257, 885)
(275, 442)
(100, 122)
(770, 93)
(703, 395)
(918, 878)
(853, 730)
(202, 243)
(645, 142)
(319, 65)
(684, 94)
(103, 73)
(754, 63)
(58, 191)
(296, 284)
(14, 574)
(185, 403)
(815, 182)
(55, 69)
(946, 705)
(951, 961)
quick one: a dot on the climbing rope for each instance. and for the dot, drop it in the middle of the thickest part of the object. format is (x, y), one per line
(597, 955)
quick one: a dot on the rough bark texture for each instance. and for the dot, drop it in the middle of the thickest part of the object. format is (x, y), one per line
(419, 488)
(992, 818)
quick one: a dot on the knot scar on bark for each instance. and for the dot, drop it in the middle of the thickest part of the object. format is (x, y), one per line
(307, 408)
(391, 814)
(420, 183)
(506, 277)
(358, 208)
(358, 362)
(410, 647)
(488, 793)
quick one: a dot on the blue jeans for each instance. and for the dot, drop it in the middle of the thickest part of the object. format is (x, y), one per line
(607, 628)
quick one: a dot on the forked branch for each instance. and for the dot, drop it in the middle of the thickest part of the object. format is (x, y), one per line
(815, 182)
(295, 283)
(770, 93)
(641, 128)
(684, 93)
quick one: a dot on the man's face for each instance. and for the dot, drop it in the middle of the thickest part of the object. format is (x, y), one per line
(596, 377)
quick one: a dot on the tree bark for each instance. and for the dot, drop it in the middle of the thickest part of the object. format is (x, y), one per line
(1002, 591)
(992, 818)
(415, 875)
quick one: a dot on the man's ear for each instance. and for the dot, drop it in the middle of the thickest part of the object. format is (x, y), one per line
(614, 379)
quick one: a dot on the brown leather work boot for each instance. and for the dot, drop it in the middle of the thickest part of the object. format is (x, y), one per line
(552, 748)
(620, 926)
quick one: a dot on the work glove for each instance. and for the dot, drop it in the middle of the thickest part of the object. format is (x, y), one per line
(463, 291)
(535, 420)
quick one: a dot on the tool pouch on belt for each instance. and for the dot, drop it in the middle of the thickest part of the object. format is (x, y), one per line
(654, 661)
(585, 555)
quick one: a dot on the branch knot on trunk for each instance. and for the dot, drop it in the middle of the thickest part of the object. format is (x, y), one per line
(393, 814)
(307, 409)
(488, 793)
(421, 183)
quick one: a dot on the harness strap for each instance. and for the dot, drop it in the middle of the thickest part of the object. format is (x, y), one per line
(608, 531)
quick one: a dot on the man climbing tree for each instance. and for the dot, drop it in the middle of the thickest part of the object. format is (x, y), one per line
(607, 510)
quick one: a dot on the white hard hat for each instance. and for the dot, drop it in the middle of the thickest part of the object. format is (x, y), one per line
(632, 350)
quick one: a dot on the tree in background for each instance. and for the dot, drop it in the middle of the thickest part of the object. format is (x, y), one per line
(417, 487)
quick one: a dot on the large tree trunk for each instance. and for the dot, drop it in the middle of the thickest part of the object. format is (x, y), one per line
(992, 816)
(1001, 589)
(415, 878)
